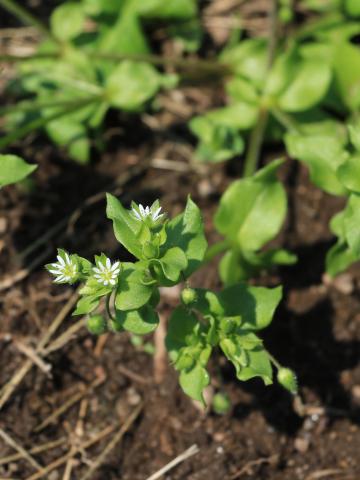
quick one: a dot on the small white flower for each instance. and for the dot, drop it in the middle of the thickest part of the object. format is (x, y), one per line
(106, 273)
(65, 270)
(143, 213)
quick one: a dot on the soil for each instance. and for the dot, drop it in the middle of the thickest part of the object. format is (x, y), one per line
(267, 434)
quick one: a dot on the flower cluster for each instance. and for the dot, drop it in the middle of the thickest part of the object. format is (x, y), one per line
(141, 213)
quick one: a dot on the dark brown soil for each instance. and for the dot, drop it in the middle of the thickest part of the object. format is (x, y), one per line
(267, 435)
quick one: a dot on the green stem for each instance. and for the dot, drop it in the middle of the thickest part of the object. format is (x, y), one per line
(273, 360)
(255, 142)
(207, 66)
(39, 123)
(257, 134)
(30, 106)
(108, 309)
(24, 16)
(286, 120)
(215, 250)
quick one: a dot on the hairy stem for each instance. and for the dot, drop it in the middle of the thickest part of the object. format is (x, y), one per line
(24, 16)
(257, 135)
(286, 120)
(108, 309)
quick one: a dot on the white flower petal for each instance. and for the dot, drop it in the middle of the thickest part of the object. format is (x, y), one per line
(112, 282)
(61, 260)
(105, 282)
(116, 272)
(56, 272)
(96, 270)
(97, 276)
(115, 266)
(101, 266)
(108, 263)
(67, 258)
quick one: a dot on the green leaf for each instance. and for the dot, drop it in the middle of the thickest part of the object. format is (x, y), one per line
(259, 366)
(172, 264)
(323, 155)
(86, 305)
(352, 224)
(255, 305)
(347, 73)
(248, 59)
(193, 381)
(339, 258)
(67, 20)
(217, 142)
(240, 91)
(132, 293)
(182, 328)
(72, 135)
(354, 132)
(240, 115)
(248, 356)
(125, 36)
(13, 169)
(176, 9)
(250, 202)
(309, 86)
(186, 231)
(131, 84)
(349, 173)
(126, 227)
(141, 321)
(352, 8)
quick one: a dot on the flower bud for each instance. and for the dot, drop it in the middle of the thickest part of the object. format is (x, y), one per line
(188, 296)
(96, 324)
(221, 403)
(287, 379)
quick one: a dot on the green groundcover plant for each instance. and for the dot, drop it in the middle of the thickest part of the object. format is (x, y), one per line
(168, 252)
(300, 88)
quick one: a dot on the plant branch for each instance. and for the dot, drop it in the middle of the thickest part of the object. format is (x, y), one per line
(285, 120)
(257, 134)
(24, 16)
(41, 122)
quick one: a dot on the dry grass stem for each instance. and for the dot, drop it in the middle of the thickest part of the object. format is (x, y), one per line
(113, 442)
(21, 450)
(179, 459)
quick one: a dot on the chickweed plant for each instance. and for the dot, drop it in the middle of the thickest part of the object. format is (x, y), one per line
(167, 252)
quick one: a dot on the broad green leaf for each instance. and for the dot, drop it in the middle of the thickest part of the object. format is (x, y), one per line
(236, 266)
(141, 321)
(182, 327)
(349, 173)
(347, 73)
(248, 356)
(86, 305)
(173, 263)
(339, 258)
(240, 90)
(352, 7)
(216, 142)
(352, 224)
(132, 84)
(176, 9)
(240, 115)
(256, 305)
(193, 381)
(250, 202)
(126, 227)
(13, 169)
(259, 366)
(132, 293)
(311, 81)
(71, 135)
(323, 155)
(186, 231)
(354, 132)
(248, 59)
(67, 20)
(125, 36)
